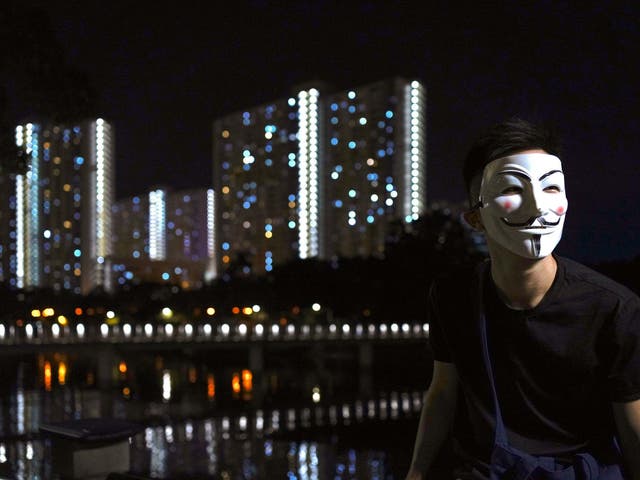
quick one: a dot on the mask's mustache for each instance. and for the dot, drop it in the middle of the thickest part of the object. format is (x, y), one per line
(544, 223)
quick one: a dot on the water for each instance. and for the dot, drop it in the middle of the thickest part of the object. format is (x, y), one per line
(209, 419)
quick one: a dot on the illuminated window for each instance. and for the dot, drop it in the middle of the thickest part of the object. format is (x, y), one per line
(211, 386)
(235, 383)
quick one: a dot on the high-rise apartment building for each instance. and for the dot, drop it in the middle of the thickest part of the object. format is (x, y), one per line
(59, 208)
(374, 168)
(322, 173)
(164, 237)
(256, 169)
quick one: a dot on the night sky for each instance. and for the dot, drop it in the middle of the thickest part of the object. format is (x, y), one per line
(164, 73)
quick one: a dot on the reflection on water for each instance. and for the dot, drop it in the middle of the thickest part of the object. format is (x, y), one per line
(251, 445)
(237, 448)
(204, 422)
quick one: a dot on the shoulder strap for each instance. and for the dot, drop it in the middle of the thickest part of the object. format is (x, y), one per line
(500, 433)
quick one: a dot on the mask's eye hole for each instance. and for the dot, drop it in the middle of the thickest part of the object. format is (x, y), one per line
(511, 191)
(552, 189)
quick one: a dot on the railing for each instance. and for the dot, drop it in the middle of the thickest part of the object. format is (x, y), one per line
(54, 334)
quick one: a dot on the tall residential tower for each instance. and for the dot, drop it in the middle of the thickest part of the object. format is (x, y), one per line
(165, 236)
(60, 236)
(322, 173)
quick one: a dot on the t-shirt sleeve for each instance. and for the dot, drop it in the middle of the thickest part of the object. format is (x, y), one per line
(623, 374)
(437, 338)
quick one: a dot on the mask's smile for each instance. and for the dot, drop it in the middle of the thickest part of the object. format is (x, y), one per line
(529, 224)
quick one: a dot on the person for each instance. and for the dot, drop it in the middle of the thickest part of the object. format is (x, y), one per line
(562, 340)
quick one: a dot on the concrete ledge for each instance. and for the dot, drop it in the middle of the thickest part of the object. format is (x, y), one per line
(91, 448)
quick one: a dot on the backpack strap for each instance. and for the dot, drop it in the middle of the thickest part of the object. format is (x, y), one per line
(478, 301)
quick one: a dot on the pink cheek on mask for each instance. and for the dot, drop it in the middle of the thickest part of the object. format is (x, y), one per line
(510, 206)
(507, 205)
(560, 210)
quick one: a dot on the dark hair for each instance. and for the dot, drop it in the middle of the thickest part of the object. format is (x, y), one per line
(511, 136)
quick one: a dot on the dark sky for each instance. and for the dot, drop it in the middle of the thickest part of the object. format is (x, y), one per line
(164, 73)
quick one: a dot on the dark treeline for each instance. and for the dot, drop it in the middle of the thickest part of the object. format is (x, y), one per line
(389, 288)
(392, 288)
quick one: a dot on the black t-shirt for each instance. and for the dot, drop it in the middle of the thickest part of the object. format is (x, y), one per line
(557, 366)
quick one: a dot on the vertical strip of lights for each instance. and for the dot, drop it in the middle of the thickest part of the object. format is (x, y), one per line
(20, 208)
(308, 173)
(314, 178)
(303, 177)
(32, 244)
(20, 231)
(415, 156)
(100, 192)
(103, 200)
(211, 235)
(157, 221)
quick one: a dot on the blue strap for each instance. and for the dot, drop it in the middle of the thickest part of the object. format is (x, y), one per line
(501, 432)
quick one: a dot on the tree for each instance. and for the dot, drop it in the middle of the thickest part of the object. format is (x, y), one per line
(36, 82)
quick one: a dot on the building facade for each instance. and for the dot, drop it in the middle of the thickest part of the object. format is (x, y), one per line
(59, 208)
(164, 237)
(256, 165)
(375, 164)
(322, 173)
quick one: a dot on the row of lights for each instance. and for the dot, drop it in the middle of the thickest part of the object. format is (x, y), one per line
(226, 331)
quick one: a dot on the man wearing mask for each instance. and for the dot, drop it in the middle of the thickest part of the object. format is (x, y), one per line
(536, 357)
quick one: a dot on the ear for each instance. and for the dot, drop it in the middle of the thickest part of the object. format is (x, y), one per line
(473, 219)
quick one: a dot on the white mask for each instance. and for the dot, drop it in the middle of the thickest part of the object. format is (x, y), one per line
(523, 203)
